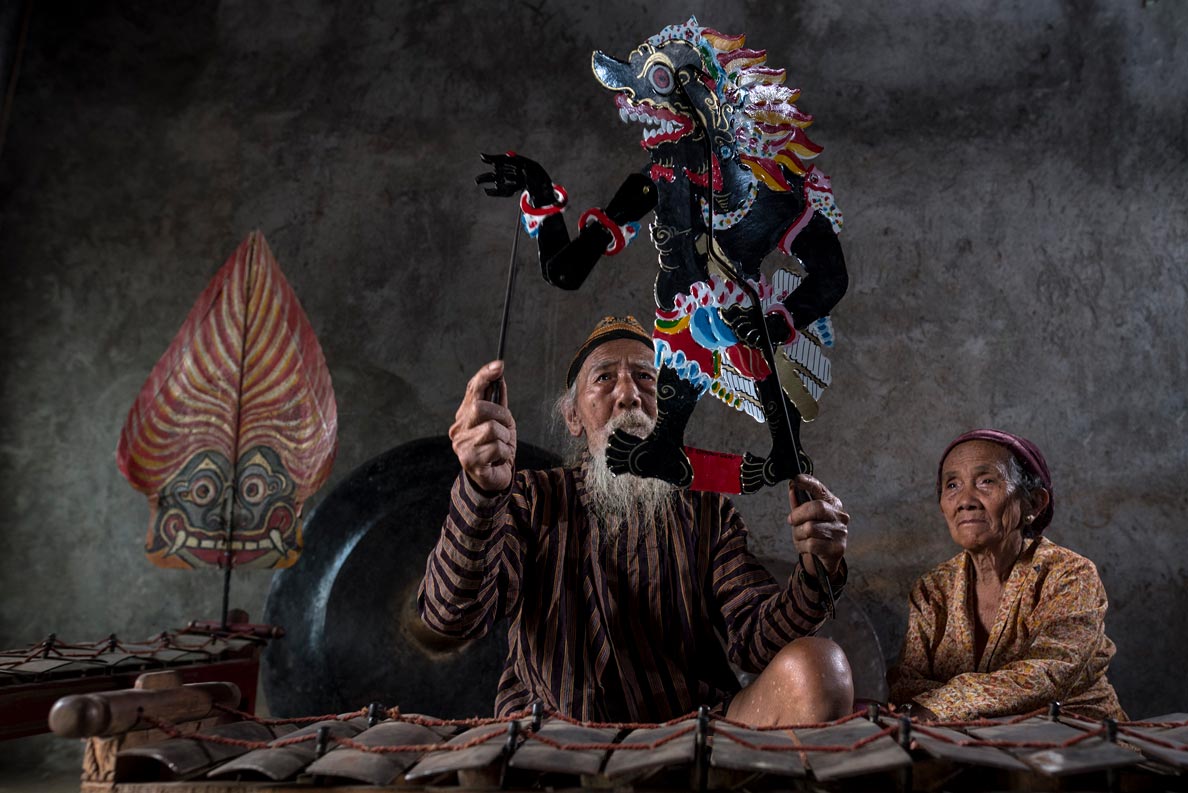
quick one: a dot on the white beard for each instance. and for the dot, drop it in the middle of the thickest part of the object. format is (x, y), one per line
(614, 498)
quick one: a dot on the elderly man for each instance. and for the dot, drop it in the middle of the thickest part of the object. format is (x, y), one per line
(627, 599)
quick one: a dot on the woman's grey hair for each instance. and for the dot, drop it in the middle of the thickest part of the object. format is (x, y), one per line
(1028, 486)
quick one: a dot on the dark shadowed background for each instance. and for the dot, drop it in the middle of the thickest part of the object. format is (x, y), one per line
(1013, 176)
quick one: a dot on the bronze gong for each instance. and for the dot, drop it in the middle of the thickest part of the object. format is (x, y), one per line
(349, 604)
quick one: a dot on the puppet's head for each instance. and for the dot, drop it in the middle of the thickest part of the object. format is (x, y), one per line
(193, 508)
(702, 95)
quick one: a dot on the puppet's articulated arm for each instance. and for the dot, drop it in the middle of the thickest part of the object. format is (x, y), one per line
(826, 281)
(565, 263)
(824, 285)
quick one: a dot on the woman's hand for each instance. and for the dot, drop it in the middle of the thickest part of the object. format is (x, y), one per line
(916, 712)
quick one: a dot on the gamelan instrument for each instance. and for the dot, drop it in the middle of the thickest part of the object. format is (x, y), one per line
(162, 737)
(33, 678)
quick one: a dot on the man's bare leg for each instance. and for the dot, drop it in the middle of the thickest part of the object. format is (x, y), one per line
(808, 681)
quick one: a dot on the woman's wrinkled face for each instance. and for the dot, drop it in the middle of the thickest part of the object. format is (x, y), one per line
(978, 503)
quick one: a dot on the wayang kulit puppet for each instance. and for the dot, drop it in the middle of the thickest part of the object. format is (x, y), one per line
(236, 425)
(728, 184)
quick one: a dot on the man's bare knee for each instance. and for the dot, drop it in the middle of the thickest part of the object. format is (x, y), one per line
(817, 669)
(809, 680)
(813, 656)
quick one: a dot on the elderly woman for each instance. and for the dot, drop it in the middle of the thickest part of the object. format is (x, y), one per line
(1014, 621)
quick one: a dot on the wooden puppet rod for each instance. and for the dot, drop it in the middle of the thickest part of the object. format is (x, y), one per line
(495, 392)
(768, 351)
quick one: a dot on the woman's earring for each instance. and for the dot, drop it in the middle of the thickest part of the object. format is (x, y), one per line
(1029, 518)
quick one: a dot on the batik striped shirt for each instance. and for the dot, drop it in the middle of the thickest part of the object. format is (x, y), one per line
(610, 623)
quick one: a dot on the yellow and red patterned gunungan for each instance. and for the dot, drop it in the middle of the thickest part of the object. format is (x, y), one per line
(236, 423)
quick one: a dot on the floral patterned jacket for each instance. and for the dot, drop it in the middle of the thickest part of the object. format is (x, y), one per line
(1048, 642)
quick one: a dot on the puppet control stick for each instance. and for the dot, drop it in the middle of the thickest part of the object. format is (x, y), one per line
(769, 354)
(495, 392)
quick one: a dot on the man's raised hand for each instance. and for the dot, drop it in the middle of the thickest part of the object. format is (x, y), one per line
(484, 433)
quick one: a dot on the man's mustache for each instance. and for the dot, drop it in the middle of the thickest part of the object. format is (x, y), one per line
(635, 421)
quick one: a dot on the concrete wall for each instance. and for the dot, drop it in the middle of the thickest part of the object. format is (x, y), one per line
(1013, 177)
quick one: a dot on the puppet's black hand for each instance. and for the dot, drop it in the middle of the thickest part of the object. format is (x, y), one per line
(635, 198)
(510, 173)
(742, 322)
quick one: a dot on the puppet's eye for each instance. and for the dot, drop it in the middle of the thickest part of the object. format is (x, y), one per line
(253, 488)
(660, 76)
(203, 490)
